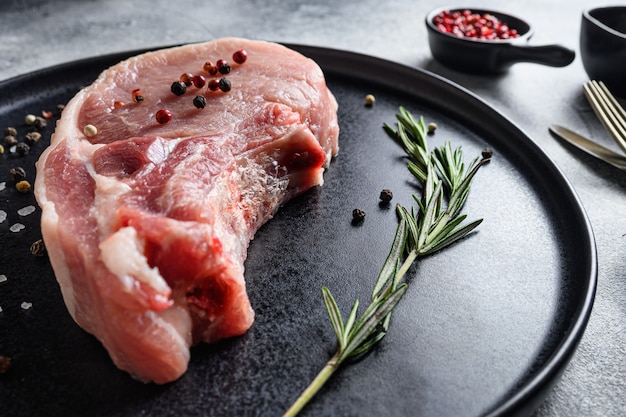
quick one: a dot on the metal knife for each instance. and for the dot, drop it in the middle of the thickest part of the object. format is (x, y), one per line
(607, 155)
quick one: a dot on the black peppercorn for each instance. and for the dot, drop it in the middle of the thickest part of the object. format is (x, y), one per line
(224, 69)
(179, 88)
(358, 215)
(10, 131)
(10, 140)
(17, 174)
(22, 148)
(199, 102)
(38, 248)
(40, 122)
(386, 195)
(224, 85)
(32, 137)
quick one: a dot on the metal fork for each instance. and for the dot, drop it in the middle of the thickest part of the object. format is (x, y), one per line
(609, 111)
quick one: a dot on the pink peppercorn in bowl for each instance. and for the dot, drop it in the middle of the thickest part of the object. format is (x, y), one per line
(487, 41)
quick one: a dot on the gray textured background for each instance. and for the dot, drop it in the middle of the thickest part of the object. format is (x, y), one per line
(36, 33)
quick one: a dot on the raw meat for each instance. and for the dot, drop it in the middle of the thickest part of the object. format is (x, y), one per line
(147, 224)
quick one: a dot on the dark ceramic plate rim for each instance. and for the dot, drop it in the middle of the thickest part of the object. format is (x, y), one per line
(465, 106)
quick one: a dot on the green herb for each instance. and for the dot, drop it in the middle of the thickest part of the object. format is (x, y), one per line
(433, 226)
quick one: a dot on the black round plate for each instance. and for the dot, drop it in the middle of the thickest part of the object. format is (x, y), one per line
(486, 327)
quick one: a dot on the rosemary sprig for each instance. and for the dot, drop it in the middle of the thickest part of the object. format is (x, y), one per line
(433, 226)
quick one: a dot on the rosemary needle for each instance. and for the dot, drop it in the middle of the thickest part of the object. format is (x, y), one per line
(433, 226)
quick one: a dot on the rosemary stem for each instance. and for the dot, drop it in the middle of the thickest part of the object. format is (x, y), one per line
(441, 224)
(410, 258)
(331, 366)
(435, 232)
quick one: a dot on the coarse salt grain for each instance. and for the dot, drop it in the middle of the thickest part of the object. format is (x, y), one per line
(3, 278)
(3, 185)
(0, 309)
(16, 227)
(25, 211)
(3, 215)
(26, 305)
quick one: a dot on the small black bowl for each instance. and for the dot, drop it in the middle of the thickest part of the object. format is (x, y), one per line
(603, 46)
(491, 56)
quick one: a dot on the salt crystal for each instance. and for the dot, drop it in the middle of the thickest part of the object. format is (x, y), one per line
(0, 309)
(25, 211)
(3, 185)
(3, 215)
(26, 305)
(3, 278)
(16, 227)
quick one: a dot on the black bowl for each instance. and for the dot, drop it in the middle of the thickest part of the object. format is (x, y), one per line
(603, 46)
(491, 56)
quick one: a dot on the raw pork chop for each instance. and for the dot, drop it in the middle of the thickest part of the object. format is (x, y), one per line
(147, 224)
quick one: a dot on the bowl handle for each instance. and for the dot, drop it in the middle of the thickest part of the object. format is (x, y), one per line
(551, 55)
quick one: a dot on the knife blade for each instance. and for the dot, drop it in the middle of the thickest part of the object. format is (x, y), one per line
(587, 145)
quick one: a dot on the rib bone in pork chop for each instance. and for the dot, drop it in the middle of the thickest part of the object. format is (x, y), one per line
(147, 224)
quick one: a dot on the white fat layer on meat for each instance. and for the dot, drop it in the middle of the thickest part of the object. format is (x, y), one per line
(106, 189)
(85, 150)
(57, 257)
(49, 217)
(178, 320)
(107, 192)
(123, 254)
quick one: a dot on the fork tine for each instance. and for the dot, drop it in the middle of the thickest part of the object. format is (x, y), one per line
(619, 110)
(605, 110)
(608, 110)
